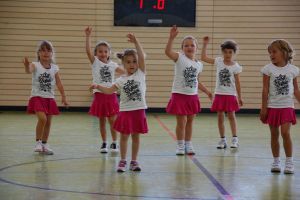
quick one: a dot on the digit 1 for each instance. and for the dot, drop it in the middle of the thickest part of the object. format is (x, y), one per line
(141, 4)
(160, 4)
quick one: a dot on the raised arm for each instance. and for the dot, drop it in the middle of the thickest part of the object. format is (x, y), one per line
(204, 56)
(105, 90)
(88, 32)
(238, 89)
(61, 89)
(265, 96)
(140, 52)
(29, 67)
(168, 50)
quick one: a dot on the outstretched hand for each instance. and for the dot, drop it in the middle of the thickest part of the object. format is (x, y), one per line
(131, 38)
(88, 31)
(174, 32)
(205, 40)
(26, 62)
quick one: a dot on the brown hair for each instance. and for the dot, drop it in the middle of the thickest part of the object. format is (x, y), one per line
(229, 44)
(127, 52)
(45, 44)
(285, 47)
(191, 38)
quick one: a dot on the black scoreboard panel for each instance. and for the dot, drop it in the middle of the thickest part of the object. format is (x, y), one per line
(155, 13)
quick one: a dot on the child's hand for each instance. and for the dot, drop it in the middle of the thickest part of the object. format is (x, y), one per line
(173, 32)
(26, 62)
(263, 114)
(241, 102)
(93, 86)
(205, 40)
(88, 31)
(210, 96)
(64, 101)
(131, 37)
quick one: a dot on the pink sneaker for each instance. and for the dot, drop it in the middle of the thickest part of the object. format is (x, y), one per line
(134, 166)
(122, 166)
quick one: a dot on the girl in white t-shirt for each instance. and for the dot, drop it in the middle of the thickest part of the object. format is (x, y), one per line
(184, 102)
(104, 106)
(228, 90)
(42, 103)
(131, 121)
(277, 110)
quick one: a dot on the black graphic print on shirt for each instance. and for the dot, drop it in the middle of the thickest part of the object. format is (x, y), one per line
(105, 74)
(281, 83)
(132, 90)
(224, 77)
(190, 77)
(45, 82)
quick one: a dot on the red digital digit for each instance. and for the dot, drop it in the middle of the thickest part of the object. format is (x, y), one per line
(160, 4)
(141, 4)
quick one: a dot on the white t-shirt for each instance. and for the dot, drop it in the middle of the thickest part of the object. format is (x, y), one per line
(281, 90)
(225, 81)
(103, 73)
(43, 80)
(186, 75)
(132, 91)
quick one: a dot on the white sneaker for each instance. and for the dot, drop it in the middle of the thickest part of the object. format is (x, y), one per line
(275, 168)
(289, 168)
(189, 149)
(234, 142)
(114, 148)
(104, 148)
(38, 147)
(180, 150)
(222, 144)
(47, 150)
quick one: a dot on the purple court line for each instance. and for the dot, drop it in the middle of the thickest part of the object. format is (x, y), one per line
(212, 179)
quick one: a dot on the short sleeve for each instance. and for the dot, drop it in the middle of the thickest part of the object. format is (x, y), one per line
(55, 69)
(295, 72)
(180, 59)
(118, 83)
(218, 60)
(238, 69)
(265, 70)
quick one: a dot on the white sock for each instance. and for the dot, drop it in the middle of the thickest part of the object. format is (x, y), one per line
(180, 142)
(289, 159)
(277, 159)
(188, 143)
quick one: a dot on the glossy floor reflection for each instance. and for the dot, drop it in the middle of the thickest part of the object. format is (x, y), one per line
(78, 171)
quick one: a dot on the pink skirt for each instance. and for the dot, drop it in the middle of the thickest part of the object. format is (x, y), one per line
(40, 104)
(225, 103)
(104, 105)
(131, 122)
(181, 104)
(279, 116)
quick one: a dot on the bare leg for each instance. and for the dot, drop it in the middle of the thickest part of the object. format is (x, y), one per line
(111, 121)
(40, 126)
(47, 128)
(275, 146)
(123, 145)
(135, 146)
(180, 126)
(221, 124)
(189, 128)
(232, 122)
(102, 121)
(287, 142)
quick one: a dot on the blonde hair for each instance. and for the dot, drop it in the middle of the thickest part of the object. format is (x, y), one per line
(102, 43)
(191, 38)
(285, 47)
(125, 53)
(45, 44)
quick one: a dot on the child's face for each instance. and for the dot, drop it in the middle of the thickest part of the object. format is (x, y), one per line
(189, 48)
(228, 54)
(276, 56)
(45, 54)
(103, 53)
(130, 64)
